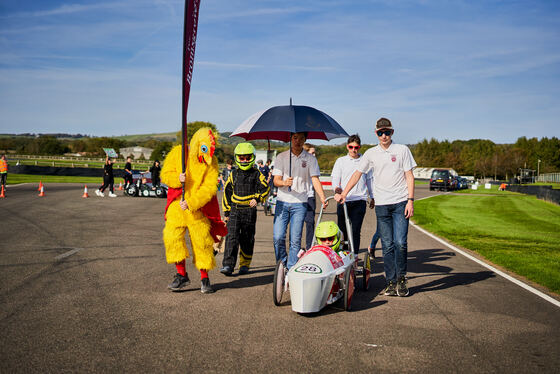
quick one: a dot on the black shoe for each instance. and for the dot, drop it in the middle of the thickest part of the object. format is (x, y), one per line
(179, 282)
(390, 290)
(402, 289)
(243, 270)
(227, 270)
(206, 287)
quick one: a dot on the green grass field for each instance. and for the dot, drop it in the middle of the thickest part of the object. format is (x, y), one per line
(515, 231)
(27, 178)
(58, 162)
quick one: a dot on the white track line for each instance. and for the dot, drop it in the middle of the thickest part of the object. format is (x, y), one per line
(499, 272)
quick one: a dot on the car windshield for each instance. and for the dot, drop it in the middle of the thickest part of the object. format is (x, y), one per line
(440, 174)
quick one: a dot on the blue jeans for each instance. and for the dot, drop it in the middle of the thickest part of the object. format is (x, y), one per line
(393, 229)
(375, 237)
(292, 214)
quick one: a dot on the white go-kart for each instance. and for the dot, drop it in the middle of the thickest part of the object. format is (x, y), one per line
(321, 276)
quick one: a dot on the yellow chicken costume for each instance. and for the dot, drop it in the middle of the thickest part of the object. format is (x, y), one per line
(201, 216)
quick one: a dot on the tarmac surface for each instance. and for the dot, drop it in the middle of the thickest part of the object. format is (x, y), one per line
(83, 288)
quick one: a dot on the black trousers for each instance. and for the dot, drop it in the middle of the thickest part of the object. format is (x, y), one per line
(240, 237)
(127, 180)
(356, 214)
(107, 182)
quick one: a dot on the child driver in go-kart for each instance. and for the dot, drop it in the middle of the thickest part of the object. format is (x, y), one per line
(328, 234)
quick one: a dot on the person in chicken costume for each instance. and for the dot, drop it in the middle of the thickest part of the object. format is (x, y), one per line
(199, 212)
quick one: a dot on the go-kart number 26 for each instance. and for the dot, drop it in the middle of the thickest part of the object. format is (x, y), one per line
(309, 268)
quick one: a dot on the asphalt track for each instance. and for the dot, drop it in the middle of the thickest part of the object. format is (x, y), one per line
(83, 289)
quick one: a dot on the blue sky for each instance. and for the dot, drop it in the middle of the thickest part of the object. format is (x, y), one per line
(448, 69)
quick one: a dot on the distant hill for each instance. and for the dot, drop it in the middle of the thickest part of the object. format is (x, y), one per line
(137, 138)
(166, 136)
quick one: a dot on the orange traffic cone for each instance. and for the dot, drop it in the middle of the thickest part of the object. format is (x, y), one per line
(85, 192)
(120, 186)
(40, 186)
(3, 194)
(42, 193)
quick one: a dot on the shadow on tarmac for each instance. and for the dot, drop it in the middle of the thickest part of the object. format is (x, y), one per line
(248, 280)
(423, 262)
(452, 280)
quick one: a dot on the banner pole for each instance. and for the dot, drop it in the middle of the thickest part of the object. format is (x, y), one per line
(189, 45)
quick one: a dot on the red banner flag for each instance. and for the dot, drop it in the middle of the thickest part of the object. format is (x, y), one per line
(189, 45)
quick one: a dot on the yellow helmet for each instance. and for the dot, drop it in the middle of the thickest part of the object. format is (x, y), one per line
(330, 230)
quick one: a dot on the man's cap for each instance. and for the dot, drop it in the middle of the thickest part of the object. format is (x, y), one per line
(383, 123)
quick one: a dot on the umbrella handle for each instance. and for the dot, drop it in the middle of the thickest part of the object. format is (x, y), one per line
(290, 187)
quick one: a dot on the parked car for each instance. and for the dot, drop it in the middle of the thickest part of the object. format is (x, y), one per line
(463, 183)
(442, 180)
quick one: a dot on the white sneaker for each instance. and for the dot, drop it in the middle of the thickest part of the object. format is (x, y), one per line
(99, 193)
(112, 194)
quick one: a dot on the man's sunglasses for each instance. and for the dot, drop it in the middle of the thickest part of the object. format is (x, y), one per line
(386, 132)
(354, 146)
(329, 239)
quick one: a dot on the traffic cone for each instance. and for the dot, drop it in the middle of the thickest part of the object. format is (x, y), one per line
(40, 186)
(120, 186)
(85, 192)
(42, 193)
(3, 194)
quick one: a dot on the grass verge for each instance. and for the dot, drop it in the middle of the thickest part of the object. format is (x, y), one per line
(515, 231)
(28, 178)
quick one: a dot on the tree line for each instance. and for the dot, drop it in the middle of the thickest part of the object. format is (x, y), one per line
(484, 158)
(477, 157)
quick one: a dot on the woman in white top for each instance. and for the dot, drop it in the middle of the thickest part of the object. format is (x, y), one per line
(357, 199)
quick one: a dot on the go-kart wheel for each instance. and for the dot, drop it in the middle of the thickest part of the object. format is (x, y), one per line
(160, 192)
(366, 271)
(349, 281)
(132, 190)
(278, 284)
(145, 192)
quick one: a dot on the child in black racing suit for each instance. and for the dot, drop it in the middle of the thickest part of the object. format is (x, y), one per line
(244, 188)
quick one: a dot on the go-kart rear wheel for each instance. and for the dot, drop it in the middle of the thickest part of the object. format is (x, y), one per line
(278, 284)
(144, 191)
(349, 282)
(160, 192)
(366, 271)
(132, 190)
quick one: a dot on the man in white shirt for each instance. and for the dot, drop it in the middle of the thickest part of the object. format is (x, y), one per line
(357, 199)
(295, 173)
(393, 188)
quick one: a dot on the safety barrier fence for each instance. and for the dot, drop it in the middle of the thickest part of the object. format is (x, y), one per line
(549, 178)
(546, 193)
(67, 171)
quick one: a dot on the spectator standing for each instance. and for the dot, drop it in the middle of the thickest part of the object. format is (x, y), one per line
(224, 175)
(155, 170)
(3, 171)
(393, 188)
(295, 173)
(311, 206)
(128, 173)
(357, 198)
(264, 169)
(108, 179)
(244, 188)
